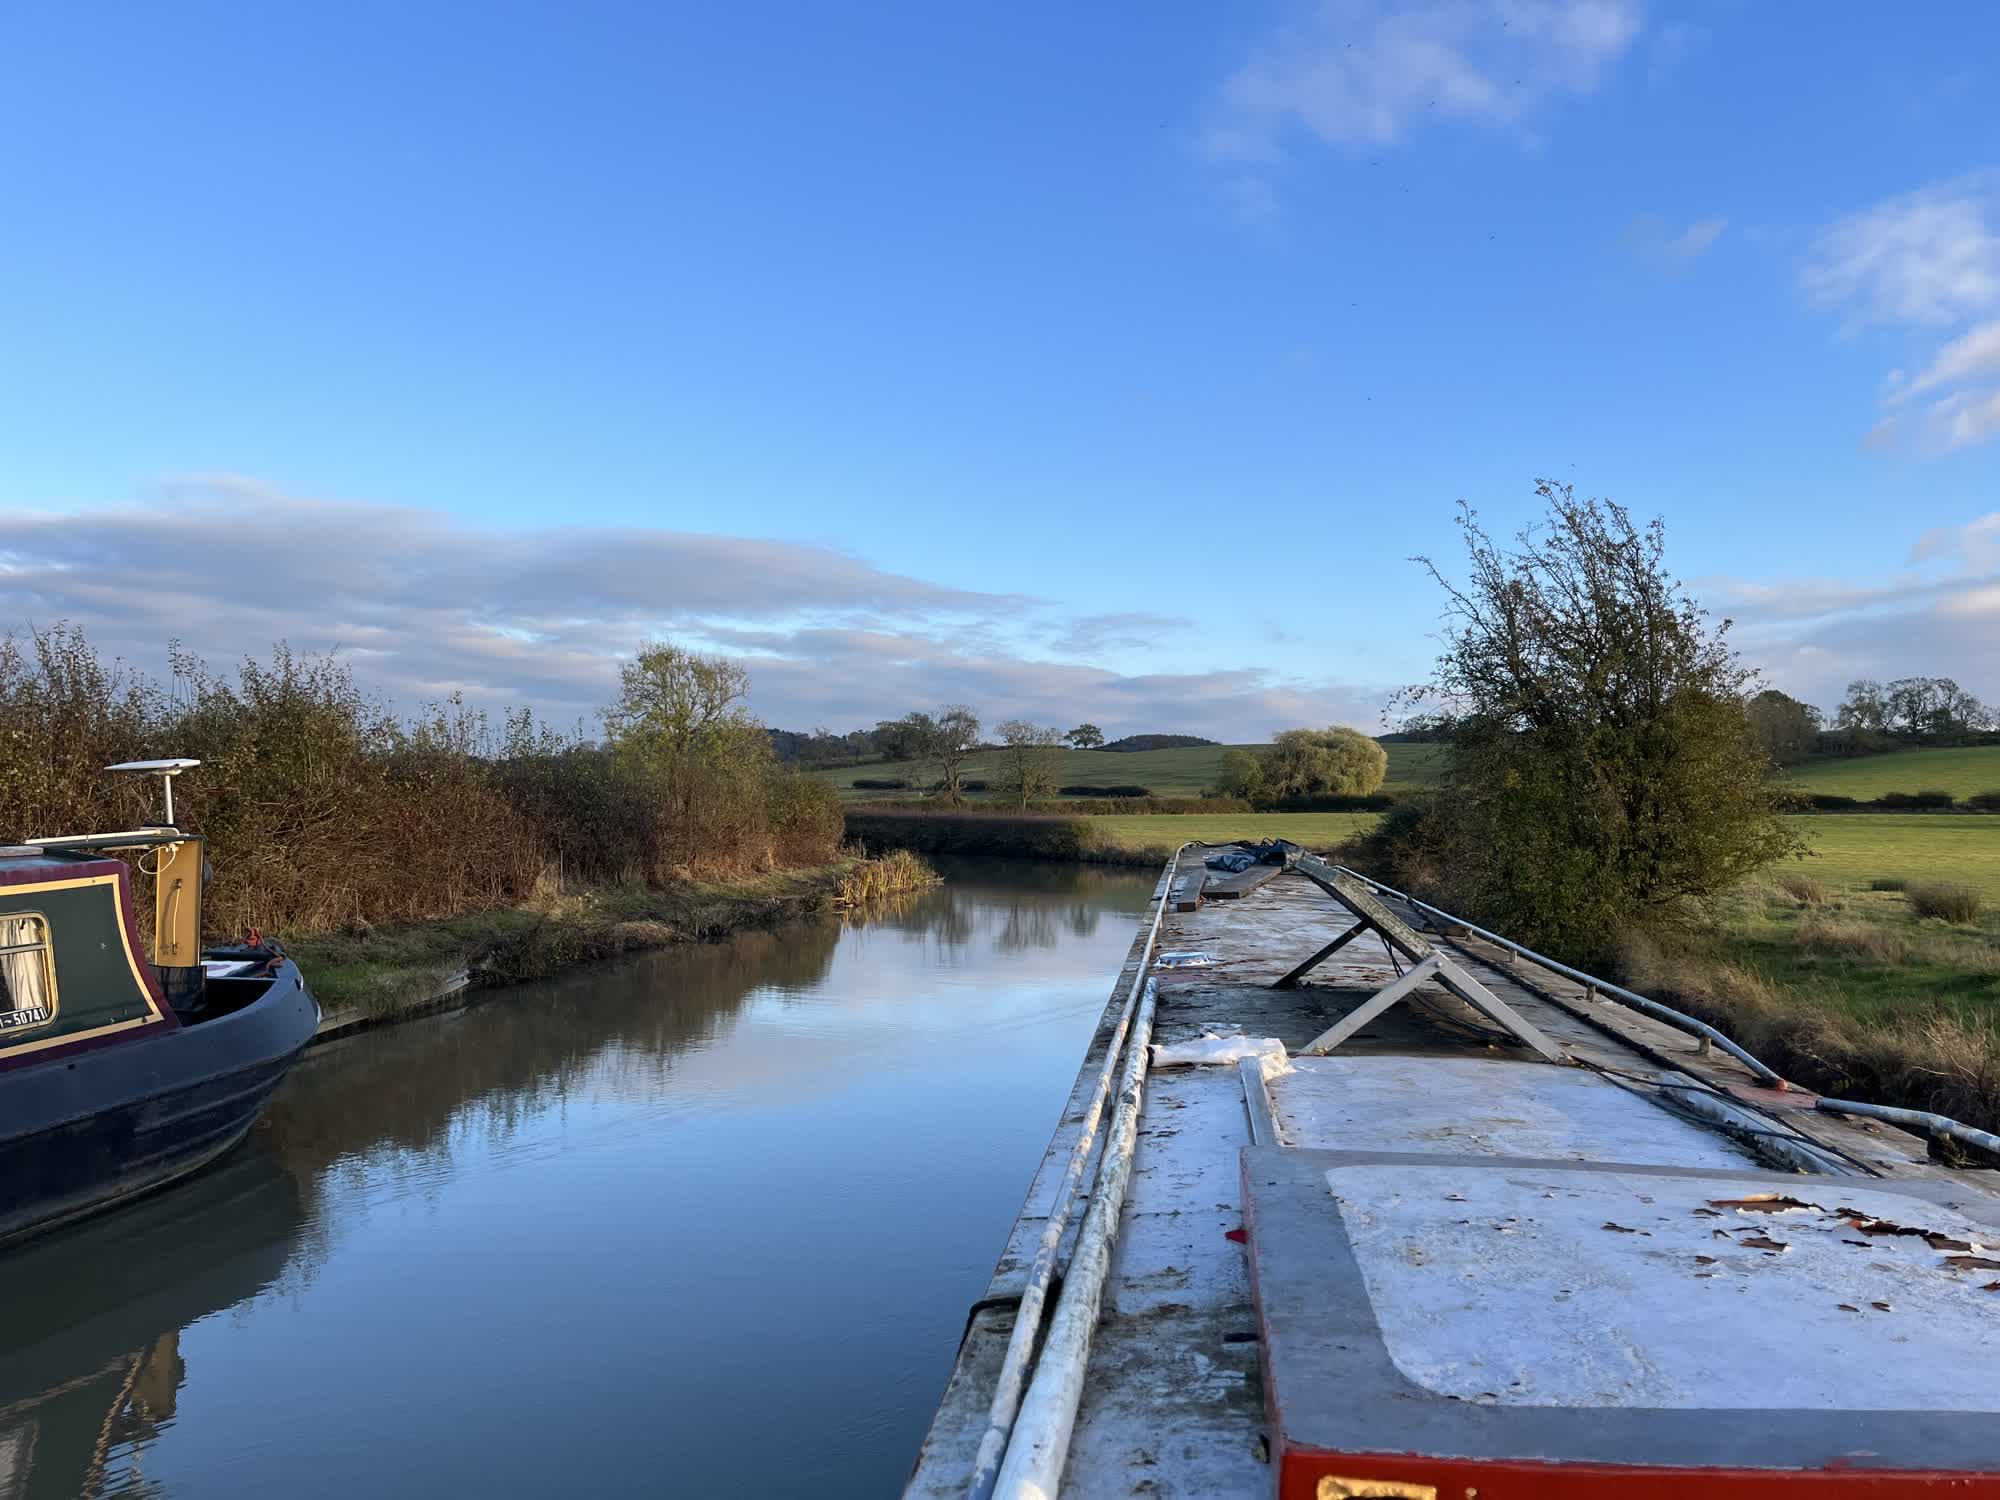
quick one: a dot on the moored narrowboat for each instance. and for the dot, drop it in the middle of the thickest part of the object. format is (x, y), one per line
(119, 1074)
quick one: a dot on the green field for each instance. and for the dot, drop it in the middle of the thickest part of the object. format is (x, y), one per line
(1866, 951)
(1186, 772)
(1851, 849)
(1962, 772)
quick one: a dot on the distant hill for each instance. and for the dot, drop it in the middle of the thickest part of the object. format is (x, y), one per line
(1133, 742)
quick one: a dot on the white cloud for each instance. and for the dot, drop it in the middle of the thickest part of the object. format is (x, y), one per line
(423, 605)
(1961, 420)
(1976, 544)
(1928, 259)
(1924, 257)
(1353, 73)
(1979, 601)
(1651, 239)
(1811, 637)
(1695, 239)
(1976, 353)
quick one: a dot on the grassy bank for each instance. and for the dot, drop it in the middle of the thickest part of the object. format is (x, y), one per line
(1011, 835)
(1872, 953)
(381, 971)
(1313, 830)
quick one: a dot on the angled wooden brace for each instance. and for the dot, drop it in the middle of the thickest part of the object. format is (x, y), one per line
(1380, 1001)
(1428, 962)
(1291, 980)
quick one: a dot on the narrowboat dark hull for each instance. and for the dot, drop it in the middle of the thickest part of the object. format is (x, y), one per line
(84, 1131)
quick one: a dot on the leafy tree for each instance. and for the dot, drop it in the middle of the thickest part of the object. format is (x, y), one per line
(1323, 762)
(1241, 774)
(679, 718)
(899, 739)
(677, 706)
(1030, 761)
(1865, 707)
(1785, 727)
(946, 740)
(1085, 737)
(1603, 772)
(1933, 708)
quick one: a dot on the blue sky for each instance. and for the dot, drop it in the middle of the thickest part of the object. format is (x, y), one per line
(919, 353)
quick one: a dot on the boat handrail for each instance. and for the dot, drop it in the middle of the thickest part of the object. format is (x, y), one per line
(1637, 1001)
(130, 838)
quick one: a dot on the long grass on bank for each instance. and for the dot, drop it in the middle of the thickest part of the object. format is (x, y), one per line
(892, 874)
(384, 969)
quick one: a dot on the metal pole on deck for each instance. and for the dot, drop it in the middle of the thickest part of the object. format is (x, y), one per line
(1040, 1444)
(1028, 1318)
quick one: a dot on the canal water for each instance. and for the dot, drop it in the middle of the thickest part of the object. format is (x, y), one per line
(704, 1222)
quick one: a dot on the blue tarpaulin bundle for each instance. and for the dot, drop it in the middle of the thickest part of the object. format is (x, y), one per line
(1275, 852)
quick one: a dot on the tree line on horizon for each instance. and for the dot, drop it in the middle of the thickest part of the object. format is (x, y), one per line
(1908, 713)
(899, 740)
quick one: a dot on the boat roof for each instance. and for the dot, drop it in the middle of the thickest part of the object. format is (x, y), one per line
(30, 864)
(1453, 1255)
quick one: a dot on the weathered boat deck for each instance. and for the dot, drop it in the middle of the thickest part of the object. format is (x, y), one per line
(1414, 1270)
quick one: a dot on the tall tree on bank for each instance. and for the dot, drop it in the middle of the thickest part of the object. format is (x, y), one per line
(1603, 772)
(946, 741)
(1030, 761)
(1085, 737)
(679, 718)
(1785, 727)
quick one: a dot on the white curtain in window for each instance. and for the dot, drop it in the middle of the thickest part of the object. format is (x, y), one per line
(24, 972)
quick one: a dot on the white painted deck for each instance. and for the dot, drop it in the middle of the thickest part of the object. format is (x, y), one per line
(1174, 1402)
(1543, 1287)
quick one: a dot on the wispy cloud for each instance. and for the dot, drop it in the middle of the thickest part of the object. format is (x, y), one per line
(1355, 74)
(1924, 260)
(1924, 257)
(1655, 242)
(1088, 635)
(1975, 546)
(1975, 354)
(424, 605)
(1938, 617)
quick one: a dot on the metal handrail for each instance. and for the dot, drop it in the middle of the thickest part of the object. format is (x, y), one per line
(1005, 1407)
(1637, 1001)
(1921, 1118)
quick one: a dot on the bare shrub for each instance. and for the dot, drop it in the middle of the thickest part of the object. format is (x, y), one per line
(1947, 901)
(1932, 1058)
(325, 812)
(1862, 940)
(1803, 889)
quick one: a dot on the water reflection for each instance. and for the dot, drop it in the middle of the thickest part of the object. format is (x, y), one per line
(664, 1210)
(92, 1368)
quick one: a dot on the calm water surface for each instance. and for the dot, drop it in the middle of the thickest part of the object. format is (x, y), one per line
(704, 1222)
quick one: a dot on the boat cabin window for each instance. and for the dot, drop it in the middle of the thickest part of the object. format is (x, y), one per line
(27, 971)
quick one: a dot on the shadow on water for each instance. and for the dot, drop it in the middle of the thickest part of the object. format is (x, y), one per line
(114, 1322)
(91, 1367)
